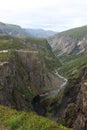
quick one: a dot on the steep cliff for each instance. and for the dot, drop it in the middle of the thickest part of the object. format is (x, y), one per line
(71, 48)
(73, 108)
(24, 70)
(72, 41)
(81, 119)
(14, 87)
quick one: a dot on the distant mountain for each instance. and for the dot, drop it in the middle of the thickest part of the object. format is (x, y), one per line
(72, 41)
(18, 31)
(40, 33)
(11, 29)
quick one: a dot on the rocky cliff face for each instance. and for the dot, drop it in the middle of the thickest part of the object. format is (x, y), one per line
(73, 41)
(69, 46)
(22, 77)
(14, 91)
(81, 119)
(38, 73)
(73, 109)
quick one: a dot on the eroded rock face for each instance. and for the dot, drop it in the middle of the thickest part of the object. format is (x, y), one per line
(76, 114)
(73, 108)
(23, 77)
(81, 120)
(13, 87)
(67, 44)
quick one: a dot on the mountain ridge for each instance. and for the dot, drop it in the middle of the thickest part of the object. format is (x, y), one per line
(27, 67)
(17, 30)
(72, 41)
(40, 33)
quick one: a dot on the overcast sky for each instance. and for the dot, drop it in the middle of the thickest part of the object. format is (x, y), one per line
(57, 15)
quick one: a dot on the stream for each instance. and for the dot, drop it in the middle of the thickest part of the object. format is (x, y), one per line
(58, 89)
(36, 100)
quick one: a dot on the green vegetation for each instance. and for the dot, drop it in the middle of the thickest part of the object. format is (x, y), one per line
(24, 90)
(52, 63)
(54, 97)
(75, 33)
(17, 120)
(71, 68)
(20, 69)
(44, 54)
(36, 40)
(5, 56)
(8, 42)
(45, 51)
(70, 114)
(1, 86)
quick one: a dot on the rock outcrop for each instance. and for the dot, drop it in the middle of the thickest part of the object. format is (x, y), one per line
(73, 41)
(81, 119)
(73, 108)
(24, 76)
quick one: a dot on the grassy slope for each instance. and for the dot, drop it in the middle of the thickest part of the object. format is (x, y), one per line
(17, 120)
(76, 32)
(9, 42)
(5, 56)
(72, 65)
(73, 62)
(45, 52)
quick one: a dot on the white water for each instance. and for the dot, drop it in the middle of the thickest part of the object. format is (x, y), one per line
(58, 89)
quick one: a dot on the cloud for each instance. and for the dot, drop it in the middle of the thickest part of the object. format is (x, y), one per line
(49, 14)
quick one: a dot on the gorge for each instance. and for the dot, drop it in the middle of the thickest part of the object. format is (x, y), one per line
(40, 80)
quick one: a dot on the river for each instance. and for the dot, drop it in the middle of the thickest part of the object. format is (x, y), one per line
(55, 91)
